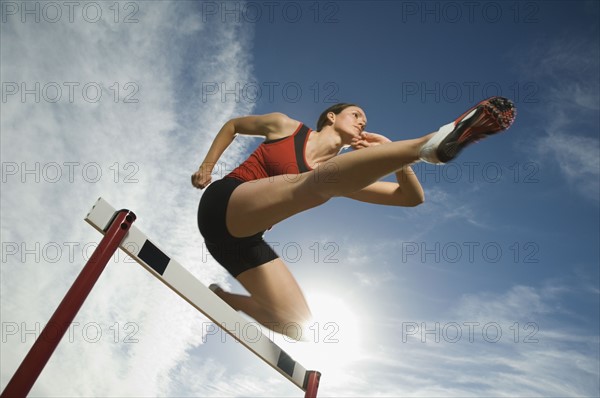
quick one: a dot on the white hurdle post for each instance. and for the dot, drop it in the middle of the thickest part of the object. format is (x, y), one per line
(144, 251)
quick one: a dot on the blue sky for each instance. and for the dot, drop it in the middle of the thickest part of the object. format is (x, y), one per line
(489, 288)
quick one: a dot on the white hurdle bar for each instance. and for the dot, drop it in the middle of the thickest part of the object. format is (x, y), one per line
(147, 253)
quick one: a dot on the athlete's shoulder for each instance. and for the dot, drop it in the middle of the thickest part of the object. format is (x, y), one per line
(271, 125)
(281, 125)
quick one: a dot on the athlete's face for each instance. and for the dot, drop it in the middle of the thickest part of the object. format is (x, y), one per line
(350, 122)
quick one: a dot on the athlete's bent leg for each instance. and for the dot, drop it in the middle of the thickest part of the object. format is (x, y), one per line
(275, 300)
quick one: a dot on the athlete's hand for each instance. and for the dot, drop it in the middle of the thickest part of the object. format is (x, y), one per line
(202, 177)
(368, 139)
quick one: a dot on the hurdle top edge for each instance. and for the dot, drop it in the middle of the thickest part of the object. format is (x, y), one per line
(99, 213)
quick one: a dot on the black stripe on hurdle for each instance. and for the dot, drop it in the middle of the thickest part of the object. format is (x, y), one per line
(154, 257)
(286, 363)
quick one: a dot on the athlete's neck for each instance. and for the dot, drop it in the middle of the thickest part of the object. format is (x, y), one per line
(323, 145)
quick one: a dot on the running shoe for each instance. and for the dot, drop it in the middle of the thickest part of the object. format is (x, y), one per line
(488, 117)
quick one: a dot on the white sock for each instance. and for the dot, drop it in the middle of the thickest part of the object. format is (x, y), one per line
(427, 152)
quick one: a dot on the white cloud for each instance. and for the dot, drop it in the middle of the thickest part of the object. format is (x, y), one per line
(569, 67)
(372, 279)
(569, 112)
(209, 378)
(442, 207)
(577, 156)
(508, 345)
(145, 152)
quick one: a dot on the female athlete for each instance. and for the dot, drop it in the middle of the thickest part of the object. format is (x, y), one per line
(296, 169)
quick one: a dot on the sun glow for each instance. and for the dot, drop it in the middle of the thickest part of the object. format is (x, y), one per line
(332, 340)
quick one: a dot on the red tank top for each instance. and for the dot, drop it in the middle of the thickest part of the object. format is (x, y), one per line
(275, 157)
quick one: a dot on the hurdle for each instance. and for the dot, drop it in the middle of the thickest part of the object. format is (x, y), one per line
(119, 232)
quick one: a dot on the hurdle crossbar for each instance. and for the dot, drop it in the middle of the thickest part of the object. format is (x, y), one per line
(119, 232)
(147, 253)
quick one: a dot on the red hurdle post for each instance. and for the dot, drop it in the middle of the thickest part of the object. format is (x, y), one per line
(46, 343)
(312, 384)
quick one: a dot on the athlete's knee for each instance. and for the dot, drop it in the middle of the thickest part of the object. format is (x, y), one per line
(297, 329)
(293, 323)
(316, 192)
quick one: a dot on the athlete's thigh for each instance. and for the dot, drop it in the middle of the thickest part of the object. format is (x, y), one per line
(274, 288)
(255, 206)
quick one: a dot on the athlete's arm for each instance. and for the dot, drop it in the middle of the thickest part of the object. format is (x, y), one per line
(406, 192)
(271, 126)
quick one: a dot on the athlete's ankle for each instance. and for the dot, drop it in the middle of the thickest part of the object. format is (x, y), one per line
(423, 140)
(427, 152)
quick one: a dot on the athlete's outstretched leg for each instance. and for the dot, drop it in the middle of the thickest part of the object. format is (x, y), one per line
(257, 205)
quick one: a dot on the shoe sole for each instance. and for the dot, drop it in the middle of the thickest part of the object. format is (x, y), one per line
(488, 117)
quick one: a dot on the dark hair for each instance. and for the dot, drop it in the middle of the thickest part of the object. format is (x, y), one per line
(337, 108)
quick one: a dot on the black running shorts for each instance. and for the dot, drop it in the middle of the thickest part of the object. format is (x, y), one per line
(236, 255)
